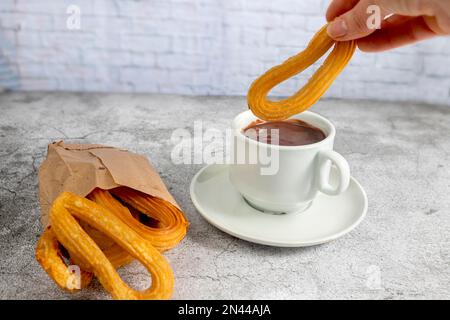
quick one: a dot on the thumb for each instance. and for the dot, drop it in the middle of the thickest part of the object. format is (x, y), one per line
(354, 23)
(357, 22)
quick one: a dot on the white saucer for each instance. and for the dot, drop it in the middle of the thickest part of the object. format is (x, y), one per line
(328, 218)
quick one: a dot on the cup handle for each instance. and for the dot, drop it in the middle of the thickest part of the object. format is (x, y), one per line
(326, 158)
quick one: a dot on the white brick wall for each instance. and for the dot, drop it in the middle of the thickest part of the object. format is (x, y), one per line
(196, 47)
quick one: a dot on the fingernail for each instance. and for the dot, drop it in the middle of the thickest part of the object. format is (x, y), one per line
(337, 28)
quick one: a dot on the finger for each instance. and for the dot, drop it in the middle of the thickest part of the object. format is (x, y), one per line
(353, 24)
(434, 25)
(411, 31)
(413, 8)
(395, 20)
(339, 7)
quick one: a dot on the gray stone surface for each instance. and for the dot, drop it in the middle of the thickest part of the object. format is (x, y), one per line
(399, 152)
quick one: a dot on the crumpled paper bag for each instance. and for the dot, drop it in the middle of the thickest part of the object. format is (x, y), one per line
(80, 168)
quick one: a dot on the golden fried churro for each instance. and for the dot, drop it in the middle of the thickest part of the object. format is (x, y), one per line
(313, 90)
(115, 254)
(170, 227)
(50, 257)
(171, 224)
(65, 211)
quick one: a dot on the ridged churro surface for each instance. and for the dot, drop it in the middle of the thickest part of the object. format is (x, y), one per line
(304, 98)
(104, 232)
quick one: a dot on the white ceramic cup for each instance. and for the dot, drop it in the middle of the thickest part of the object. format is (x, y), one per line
(302, 171)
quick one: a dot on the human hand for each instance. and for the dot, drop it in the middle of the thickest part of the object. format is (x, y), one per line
(408, 21)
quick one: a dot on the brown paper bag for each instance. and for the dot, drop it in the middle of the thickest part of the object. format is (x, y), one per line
(80, 168)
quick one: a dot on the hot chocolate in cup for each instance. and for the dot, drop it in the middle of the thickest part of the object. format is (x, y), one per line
(280, 177)
(291, 132)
